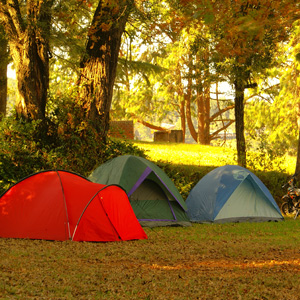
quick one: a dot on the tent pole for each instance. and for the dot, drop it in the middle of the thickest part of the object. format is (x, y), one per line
(65, 203)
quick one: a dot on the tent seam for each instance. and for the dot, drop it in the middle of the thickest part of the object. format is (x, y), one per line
(80, 217)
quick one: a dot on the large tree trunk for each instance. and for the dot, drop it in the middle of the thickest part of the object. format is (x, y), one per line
(100, 62)
(3, 74)
(28, 38)
(3, 89)
(239, 122)
(32, 72)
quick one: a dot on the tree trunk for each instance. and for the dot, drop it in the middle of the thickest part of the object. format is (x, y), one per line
(203, 99)
(3, 89)
(179, 103)
(297, 170)
(28, 38)
(182, 119)
(181, 96)
(239, 122)
(3, 74)
(188, 99)
(32, 73)
(100, 62)
(298, 159)
(203, 103)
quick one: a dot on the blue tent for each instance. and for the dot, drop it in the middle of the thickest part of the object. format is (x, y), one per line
(231, 194)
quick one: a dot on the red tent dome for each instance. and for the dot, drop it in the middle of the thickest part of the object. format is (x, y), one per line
(60, 205)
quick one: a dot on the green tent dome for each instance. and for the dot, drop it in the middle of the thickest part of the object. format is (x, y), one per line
(153, 196)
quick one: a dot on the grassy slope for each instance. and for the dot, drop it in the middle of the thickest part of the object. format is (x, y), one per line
(199, 156)
(205, 261)
(186, 164)
(188, 154)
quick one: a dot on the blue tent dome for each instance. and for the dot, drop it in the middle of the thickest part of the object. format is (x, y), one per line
(231, 194)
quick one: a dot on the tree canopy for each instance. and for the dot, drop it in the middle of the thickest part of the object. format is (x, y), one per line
(165, 61)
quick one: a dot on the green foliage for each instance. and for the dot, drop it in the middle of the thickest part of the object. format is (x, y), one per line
(184, 178)
(263, 155)
(21, 151)
(62, 141)
(117, 147)
(273, 131)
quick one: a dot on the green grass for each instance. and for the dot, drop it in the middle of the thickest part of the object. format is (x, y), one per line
(188, 154)
(204, 261)
(200, 156)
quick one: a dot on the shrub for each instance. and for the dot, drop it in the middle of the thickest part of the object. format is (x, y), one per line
(62, 141)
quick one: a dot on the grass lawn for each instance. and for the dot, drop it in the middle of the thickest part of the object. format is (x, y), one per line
(204, 261)
(188, 154)
(200, 156)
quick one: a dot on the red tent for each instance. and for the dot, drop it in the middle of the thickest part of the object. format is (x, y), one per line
(60, 205)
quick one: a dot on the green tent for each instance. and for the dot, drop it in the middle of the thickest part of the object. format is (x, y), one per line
(152, 194)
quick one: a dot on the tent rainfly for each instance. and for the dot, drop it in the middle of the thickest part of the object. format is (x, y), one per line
(231, 194)
(60, 205)
(152, 194)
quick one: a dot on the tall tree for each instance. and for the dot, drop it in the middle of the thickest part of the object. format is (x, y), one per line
(250, 44)
(295, 88)
(166, 45)
(27, 26)
(287, 105)
(246, 35)
(146, 73)
(100, 61)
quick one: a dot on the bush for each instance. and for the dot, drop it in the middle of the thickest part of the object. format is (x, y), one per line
(60, 142)
(184, 177)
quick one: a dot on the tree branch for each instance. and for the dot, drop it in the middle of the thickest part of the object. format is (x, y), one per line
(149, 125)
(214, 134)
(220, 112)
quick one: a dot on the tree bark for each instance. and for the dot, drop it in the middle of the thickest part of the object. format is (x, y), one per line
(182, 118)
(239, 122)
(298, 159)
(188, 99)
(100, 62)
(3, 89)
(297, 170)
(28, 38)
(3, 74)
(206, 122)
(180, 93)
(203, 103)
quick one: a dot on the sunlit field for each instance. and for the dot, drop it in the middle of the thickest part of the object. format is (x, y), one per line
(189, 154)
(199, 155)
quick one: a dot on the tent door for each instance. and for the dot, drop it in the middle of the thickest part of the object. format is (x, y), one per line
(149, 202)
